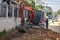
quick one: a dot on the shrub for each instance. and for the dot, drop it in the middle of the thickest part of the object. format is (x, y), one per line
(16, 27)
(2, 33)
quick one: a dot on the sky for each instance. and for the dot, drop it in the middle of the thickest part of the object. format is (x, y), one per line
(54, 4)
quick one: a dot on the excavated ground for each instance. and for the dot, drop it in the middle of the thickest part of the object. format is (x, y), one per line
(32, 34)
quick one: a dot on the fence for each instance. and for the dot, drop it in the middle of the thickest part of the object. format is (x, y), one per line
(9, 17)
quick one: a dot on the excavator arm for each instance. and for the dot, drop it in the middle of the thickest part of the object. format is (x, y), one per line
(24, 26)
(22, 14)
(29, 8)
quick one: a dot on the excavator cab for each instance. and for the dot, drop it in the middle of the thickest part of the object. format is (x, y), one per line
(30, 17)
(39, 15)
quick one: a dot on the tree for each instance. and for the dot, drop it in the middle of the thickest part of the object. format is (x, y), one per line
(40, 7)
(58, 12)
(30, 2)
(33, 3)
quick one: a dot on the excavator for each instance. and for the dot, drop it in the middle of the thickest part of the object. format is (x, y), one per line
(28, 17)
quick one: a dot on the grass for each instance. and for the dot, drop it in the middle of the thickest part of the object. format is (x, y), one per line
(2, 33)
(16, 27)
(59, 24)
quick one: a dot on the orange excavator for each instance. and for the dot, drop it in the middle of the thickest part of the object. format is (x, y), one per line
(27, 17)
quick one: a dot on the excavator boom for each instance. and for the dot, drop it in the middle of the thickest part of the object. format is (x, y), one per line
(29, 8)
(24, 26)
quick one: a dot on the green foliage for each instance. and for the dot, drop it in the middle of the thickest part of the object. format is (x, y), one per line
(48, 14)
(58, 12)
(26, 2)
(40, 7)
(2, 33)
(16, 27)
(31, 4)
(17, 0)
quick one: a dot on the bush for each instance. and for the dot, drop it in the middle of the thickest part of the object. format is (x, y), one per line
(16, 27)
(2, 33)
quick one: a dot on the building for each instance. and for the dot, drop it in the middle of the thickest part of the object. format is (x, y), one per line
(48, 11)
(9, 16)
(0, 6)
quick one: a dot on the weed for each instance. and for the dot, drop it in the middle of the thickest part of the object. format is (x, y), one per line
(16, 27)
(2, 33)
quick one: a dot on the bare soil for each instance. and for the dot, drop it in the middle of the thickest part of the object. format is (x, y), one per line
(32, 34)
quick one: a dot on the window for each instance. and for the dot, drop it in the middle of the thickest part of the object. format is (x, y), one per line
(27, 13)
(4, 0)
(18, 12)
(8, 1)
(15, 12)
(10, 12)
(2, 11)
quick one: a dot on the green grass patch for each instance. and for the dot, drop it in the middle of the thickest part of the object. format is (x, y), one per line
(16, 27)
(2, 33)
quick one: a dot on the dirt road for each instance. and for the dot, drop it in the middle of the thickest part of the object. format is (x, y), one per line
(55, 28)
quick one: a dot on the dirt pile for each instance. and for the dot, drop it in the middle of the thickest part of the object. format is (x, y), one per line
(33, 34)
